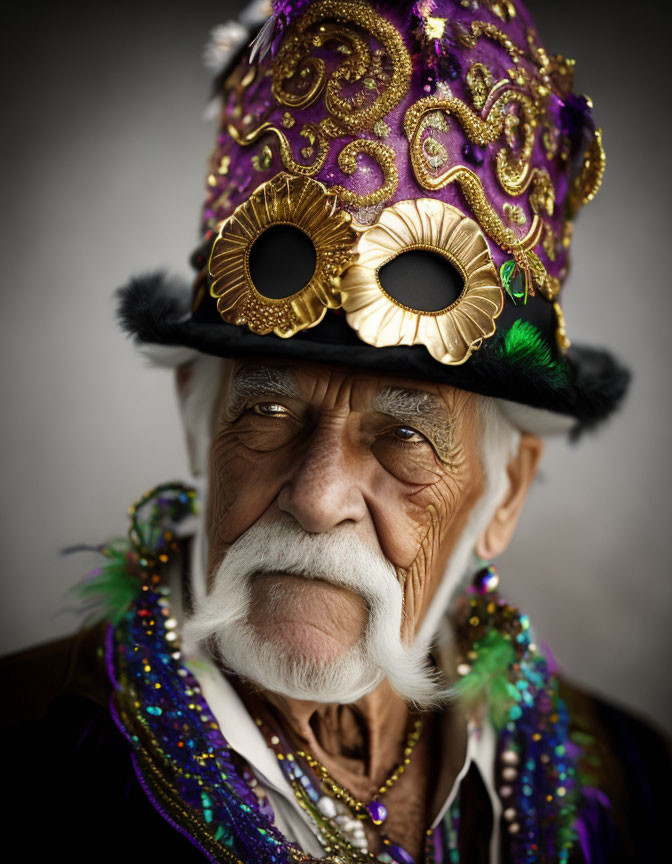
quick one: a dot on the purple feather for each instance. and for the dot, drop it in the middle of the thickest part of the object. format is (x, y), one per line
(288, 10)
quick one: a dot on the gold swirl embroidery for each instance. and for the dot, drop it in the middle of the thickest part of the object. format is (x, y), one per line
(592, 170)
(469, 37)
(513, 172)
(286, 155)
(480, 82)
(292, 61)
(489, 220)
(386, 159)
(347, 115)
(542, 196)
(485, 213)
(586, 185)
(301, 39)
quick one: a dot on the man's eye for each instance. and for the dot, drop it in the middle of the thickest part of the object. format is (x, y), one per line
(406, 433)
(269, 409)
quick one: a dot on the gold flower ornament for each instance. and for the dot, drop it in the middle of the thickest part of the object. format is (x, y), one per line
(301, 203)
(450, 334)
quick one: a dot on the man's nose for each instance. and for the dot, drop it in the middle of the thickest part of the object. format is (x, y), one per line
(325, 489)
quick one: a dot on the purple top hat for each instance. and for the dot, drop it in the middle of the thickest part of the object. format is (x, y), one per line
(394, 186)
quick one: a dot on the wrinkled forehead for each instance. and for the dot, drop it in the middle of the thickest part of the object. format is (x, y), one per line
(343, 386)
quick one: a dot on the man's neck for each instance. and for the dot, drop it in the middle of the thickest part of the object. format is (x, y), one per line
(359, 744)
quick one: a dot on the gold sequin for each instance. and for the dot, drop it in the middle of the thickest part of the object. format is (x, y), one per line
(503, 9)
(381, 129)
(480, 81)
(223, 167)
(550, 138)
(515, 214)
(386, 159)
(560, 328)
(434, 152)
(542, 196)
(549, 242)
(435, 27)
(567, 233)
(262, 161)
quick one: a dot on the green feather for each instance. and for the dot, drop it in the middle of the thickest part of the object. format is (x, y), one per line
(109, 589)
(488, 678)
(524, 346)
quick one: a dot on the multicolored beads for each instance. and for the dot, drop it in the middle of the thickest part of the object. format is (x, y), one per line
(537, 775)
(377, 812)
(205, 789)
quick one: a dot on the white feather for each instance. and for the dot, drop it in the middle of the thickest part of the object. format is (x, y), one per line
(255, 13)
(262, 43)
(225, 41)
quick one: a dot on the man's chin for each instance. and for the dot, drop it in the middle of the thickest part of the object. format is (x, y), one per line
(307, 620)
(298, 662)
(303, 642)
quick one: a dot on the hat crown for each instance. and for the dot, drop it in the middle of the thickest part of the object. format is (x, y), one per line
(382, 102)
(374, 130)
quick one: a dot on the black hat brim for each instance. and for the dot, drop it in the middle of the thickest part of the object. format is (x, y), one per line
(155, 310)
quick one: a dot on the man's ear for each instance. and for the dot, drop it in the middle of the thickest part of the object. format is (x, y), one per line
(183, 374)
(520, 471)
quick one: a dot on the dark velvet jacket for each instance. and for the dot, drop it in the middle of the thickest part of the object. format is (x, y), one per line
(72, 791)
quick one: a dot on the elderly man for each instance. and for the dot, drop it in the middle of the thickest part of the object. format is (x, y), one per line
(315, 663)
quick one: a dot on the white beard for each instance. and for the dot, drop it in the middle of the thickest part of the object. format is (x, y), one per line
(340, 557)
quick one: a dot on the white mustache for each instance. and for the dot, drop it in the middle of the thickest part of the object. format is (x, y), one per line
(339, 557)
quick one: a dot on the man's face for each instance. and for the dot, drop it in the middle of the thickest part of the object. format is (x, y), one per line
(394, 462)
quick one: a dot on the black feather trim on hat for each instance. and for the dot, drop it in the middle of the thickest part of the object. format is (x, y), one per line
(151, 307)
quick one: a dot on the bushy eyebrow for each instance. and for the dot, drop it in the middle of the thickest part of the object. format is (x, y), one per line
(428, 414)
(407, 405)
(260, 381)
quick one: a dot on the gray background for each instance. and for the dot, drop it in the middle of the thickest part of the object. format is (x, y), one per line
(103, 159)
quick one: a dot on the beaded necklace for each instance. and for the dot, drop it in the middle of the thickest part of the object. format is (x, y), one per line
(536, 766)
(338, 818)
(374, 809)
(207, 792)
